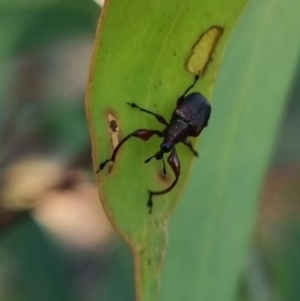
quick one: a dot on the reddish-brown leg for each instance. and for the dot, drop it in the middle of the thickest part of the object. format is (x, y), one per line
(141, 134)
(174, 162)
(158, 117)
(189, 144)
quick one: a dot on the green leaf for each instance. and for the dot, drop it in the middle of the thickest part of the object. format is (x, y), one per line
(141, 54)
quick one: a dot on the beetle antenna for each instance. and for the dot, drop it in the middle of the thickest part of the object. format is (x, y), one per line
(146, 161)
(157, 156)
(164, 166)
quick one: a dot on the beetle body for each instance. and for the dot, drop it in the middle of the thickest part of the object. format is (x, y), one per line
(189, 118)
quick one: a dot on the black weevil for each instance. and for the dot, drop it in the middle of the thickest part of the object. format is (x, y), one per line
(189, 118)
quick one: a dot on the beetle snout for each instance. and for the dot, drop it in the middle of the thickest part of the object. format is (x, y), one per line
(165, 147)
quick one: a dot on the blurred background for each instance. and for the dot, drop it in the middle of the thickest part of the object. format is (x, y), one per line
(55, 241)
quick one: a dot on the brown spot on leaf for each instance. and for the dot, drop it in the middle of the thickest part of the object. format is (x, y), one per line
(113, 125)
(203, 50)
(163, 177)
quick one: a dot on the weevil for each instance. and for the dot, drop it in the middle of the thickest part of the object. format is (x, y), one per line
(189, 118)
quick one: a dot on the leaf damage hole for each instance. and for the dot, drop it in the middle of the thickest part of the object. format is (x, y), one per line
(114, 129)
(202, 52)
(114, 132)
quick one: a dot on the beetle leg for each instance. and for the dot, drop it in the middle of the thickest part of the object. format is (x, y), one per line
(174, 162)
(188, 143)
(181, 98)
(142, 134)
(158, 117)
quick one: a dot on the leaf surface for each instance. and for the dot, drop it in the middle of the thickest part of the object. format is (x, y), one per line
(142, 50)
